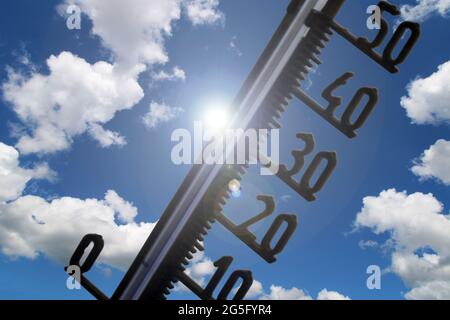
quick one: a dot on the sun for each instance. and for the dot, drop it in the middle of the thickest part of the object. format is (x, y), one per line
(216, 118)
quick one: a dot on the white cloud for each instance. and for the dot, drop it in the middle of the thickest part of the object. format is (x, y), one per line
(136, 34)
(255, 290)
(74, 98)
(127, 212)
(439, 290)
(106, 138)
(201, 267)
(77, 97)
(424, 9)
(204, 11)
(31, 225)
(420, 234)
(14, 178)
(280, 293)
(160, 113)
(176, 74)
(331, 295)
(428, 98)
(435, 163)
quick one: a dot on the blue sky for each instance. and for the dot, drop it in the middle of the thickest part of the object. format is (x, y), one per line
(82, 153)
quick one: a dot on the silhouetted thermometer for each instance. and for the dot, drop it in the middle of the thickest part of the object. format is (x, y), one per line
(291, 53)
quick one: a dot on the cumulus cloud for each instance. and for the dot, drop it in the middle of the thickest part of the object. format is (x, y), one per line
(439, 290)
(280, 293)
(77, 97)
(135, 35)
(202, 267)
(255, 290)
(424, 9)
(434, 163)
(331, 295)
(31, 225)
(127, 212)
(419, 233)
(203, 11)
(160, 113)
(106, 138)
(14, 178)
(428, 98)
(74, 98)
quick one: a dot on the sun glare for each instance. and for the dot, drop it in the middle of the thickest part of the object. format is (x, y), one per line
(216, 118)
